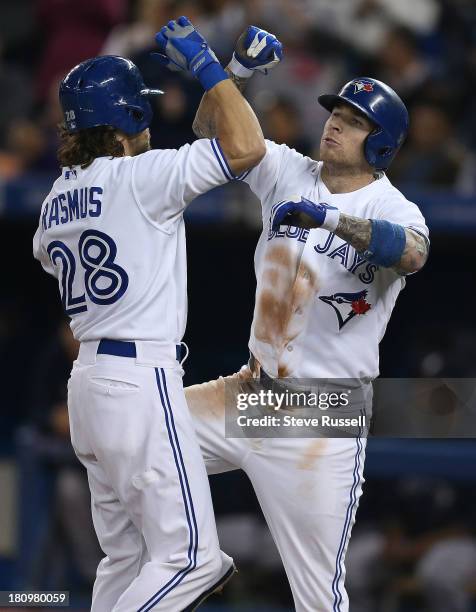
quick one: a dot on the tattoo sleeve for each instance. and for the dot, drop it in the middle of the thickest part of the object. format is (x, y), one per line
(358, 232)
(414, 255)
(204, 123)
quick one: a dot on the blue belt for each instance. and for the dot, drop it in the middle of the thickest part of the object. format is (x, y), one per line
(121, 348)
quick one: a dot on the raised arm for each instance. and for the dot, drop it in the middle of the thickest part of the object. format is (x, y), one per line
(384, 243)
(237, 127)
(205, 122)
(235, 124)
(255, 50)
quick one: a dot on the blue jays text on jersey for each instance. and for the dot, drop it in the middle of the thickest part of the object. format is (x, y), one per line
(71, 205)
(344, 253)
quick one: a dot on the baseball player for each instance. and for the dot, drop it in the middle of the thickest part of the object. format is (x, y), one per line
(111, 231)
(329, 265)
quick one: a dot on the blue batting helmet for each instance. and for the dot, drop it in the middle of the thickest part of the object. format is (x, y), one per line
(106, 90)
(379, 103)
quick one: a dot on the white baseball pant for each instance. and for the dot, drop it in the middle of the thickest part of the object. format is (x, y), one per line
(150, 496)
(308, 489)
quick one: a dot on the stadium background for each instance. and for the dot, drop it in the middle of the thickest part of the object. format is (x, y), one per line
(414, 545)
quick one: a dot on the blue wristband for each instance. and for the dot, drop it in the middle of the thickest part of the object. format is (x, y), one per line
(212, 74)
(207, 69)
(387, 243)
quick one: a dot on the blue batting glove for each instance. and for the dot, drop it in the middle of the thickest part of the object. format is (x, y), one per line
(183, 48)
(301, 212)
(255, 49)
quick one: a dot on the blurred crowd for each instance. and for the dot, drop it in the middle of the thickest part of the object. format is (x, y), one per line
(405, 541)
(425, 49)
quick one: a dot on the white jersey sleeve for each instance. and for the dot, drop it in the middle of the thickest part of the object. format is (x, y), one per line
(396, 208)
(263, 177)
(165, 181)
(270, 178)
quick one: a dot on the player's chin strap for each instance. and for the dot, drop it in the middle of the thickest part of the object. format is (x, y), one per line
(186, 351)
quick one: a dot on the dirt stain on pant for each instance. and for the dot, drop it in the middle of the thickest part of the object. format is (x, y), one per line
(311, 454)
(207, 401)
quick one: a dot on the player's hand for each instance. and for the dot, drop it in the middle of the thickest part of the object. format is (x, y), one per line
(255, 49)
(182, 47)
(301, 212)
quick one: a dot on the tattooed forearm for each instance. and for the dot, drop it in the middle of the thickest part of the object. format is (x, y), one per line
(358, 233)
(355, 231)
(204, 125)
(240, 82)
(414, 255)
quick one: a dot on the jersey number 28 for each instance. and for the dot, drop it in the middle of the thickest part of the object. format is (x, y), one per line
(104, 281)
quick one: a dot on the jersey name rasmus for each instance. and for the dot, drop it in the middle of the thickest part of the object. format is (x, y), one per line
(72, 205)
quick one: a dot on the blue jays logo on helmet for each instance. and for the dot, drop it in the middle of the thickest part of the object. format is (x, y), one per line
(347, 305)
(363, 86)
(384, 108)
(106, 90)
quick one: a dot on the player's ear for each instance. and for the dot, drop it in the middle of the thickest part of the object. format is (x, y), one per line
(121, 137)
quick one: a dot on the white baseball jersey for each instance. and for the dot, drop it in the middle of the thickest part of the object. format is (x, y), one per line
(321, 309)
(113, 235)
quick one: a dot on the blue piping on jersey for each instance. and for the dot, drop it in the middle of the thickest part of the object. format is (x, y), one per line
(221, 159)
(243, 175)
